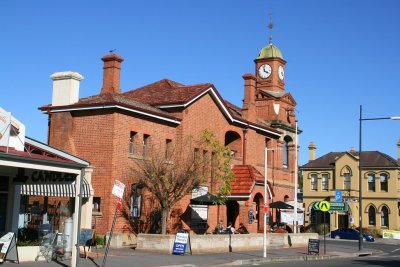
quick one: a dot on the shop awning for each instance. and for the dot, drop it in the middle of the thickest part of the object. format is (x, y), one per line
(54, 190)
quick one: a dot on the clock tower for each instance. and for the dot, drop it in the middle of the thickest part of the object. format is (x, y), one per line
(266, 100)
(270, 67)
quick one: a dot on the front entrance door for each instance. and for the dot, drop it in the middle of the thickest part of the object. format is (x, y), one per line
(232, 212)
(343, 220)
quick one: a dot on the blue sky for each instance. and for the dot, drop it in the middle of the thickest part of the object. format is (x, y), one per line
(340, 54)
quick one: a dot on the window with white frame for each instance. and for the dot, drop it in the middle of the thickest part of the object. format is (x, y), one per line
(136, 201)
(146, 139)
(314, 182)
(371, 182)
(132, 142)
(385, 217)
(347, 181)
(371, 215)
(384, 182)
(325, 182)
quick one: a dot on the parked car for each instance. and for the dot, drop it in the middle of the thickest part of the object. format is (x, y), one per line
(348, 233)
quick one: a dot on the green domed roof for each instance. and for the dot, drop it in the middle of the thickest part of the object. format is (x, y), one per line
(270, 51)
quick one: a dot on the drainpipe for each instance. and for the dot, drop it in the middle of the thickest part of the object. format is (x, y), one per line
(245, 130)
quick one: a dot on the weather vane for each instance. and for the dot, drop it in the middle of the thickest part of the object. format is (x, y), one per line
(270, 26)
(112, 50)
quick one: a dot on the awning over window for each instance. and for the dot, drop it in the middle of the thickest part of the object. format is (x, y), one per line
(54, 190)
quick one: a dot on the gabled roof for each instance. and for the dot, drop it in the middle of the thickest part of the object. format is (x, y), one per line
(109, 100)
(246, 177)
(286, 96)
(368, 159)
(166, 92)
(37, 151)
(154, 100)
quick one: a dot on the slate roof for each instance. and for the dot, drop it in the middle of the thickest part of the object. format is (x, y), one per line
(368, 159)
(246, 176)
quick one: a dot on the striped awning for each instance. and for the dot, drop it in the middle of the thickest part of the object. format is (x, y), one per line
(54, 190)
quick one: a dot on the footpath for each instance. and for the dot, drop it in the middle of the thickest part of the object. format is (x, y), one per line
(130, 257)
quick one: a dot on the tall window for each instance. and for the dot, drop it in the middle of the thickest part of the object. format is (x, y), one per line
(371, 182)
(384, 182)
(314, 182)
(285, 153)
(371, 215)
(146, 139)
(168, 149)
(132, 142)
(385, 217)
(347, 181)
(136, 202)
(325, 182)
(204, 162)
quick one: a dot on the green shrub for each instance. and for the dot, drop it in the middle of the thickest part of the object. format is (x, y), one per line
(100, 240)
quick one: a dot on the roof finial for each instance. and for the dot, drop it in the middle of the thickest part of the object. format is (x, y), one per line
(270, 26)
(112, 51)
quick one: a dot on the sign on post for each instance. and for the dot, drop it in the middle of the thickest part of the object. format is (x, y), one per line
(338, 196)
(338, 206)
(118, 189)
(324, 206)
(266, 208)
(315, 205)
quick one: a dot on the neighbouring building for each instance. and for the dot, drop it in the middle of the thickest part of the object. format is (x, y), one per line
(338, 173)
(113, 129)
(39, 188)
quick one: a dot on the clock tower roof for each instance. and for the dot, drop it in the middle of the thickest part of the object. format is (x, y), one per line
(270, 51)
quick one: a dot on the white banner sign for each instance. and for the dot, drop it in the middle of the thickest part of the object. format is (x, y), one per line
(118, 189)
(391, 234)
(5, 127)
(288, 217)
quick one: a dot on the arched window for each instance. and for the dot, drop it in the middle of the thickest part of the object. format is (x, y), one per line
(234, 142)
(385, 217)
(285, 150)
(314, 182)
(371, 215)
(325, 182)
(371, 182)
(347, 181)
(384, 182)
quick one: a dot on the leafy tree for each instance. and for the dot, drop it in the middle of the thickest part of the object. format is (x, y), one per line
(171, 172)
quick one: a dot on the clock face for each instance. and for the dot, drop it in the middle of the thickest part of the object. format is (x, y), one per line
(264, 71)
(281, 73)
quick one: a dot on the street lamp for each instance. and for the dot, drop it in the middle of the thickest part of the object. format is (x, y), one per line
(360, 241)
(266, 186)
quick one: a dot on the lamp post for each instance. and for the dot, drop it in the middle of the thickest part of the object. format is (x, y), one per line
(295, 182)
(360, 241)
(266, 195)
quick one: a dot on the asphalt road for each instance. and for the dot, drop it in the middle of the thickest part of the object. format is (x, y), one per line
(389, 256)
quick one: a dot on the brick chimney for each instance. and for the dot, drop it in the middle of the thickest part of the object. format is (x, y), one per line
(311, 151)
(249, 102)
(111, 74)
(65, 88)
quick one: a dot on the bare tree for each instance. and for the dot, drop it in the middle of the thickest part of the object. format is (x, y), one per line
(172, 171)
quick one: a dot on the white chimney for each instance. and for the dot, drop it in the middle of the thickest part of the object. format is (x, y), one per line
(65, 88)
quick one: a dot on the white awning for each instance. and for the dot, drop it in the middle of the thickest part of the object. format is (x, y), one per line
(54, 190)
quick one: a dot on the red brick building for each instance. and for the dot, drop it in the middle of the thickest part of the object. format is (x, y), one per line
(111, 130)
